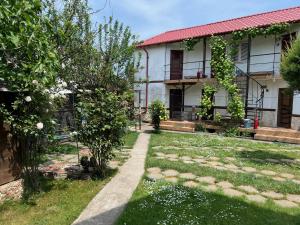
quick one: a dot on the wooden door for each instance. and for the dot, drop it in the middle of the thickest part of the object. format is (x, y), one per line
(176, 102)
(176, 65)
(9, 157)
(285, 107)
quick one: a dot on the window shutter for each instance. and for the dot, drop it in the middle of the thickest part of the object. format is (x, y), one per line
(235, 56)
(244, 51)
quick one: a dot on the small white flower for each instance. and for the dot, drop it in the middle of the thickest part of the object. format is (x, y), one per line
(35, 82)
(64, 84)
(51, 96)
(88, 91)
(47, 110)
(53, 122)
(28, 99)
(40, 125)
(63, 65)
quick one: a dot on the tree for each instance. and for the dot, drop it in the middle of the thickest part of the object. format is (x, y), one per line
(28, 63)
(103, 120)
(290, 65)
(158, 113)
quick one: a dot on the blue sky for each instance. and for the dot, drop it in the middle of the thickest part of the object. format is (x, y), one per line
(150, 17)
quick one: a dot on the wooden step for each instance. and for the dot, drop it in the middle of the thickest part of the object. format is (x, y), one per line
(290, 140)
(174, 128)
(179, 123)
(279, 133)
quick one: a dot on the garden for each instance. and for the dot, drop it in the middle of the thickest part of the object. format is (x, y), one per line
(210, 179)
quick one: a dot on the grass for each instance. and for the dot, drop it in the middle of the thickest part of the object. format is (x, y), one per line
(59, 204)
(165, 203)
(61, 201)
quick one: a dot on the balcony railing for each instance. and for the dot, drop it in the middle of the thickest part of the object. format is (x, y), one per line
(260, 64)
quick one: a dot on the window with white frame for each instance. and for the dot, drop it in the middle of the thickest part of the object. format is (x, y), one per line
(241, 52)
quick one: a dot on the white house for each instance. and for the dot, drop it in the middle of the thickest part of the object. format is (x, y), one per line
(177, 76)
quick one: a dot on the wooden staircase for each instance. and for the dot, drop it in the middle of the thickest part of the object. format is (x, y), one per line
(184, 126)
(277, 134)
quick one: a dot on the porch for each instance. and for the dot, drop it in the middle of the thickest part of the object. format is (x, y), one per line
(284, 135)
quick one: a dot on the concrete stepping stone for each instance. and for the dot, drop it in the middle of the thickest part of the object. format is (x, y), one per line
(173, 159)
(296, 181)
(268, 172)
(230, 159)
(249, 169)
(287, 160)
(172, 179)
(225, 184)
(279, 179)
(256, 198)
(272, 194)
(293, 198)
(185, 158)
(155, 176)
(285, 203)
(287, 175)
(210, 188)
(231, 166)
(170, 173)
(214, 163)
(190, 184)
(154, 170)
(189, 176)
(258, 160)
(273, 160)
(199, 157)
(214, 158)
(207, 179)
(199, 160)
(232, 192)
(157, 147)
(249, 189)
(188, 162)
(172, 156)
(159, 157)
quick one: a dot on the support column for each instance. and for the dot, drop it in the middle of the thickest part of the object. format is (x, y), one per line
(248, 74)
(204, 56)
(182, 107)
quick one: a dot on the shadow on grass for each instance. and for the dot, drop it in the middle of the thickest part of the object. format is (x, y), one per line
(181, 206)
(264, 155)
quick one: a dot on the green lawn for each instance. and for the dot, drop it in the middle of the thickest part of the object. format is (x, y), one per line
(61, 201)
(59, 204)
(162, 202)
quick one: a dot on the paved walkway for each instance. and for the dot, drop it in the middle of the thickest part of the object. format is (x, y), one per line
(109, 203)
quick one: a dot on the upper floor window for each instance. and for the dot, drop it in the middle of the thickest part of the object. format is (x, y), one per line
(287, 40)
(241, 52)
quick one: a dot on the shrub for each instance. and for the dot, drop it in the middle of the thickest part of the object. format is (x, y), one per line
(290, 65)
(158, 112)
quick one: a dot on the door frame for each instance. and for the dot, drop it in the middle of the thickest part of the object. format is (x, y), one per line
(279, 108)
(170, 101)
(171, 62)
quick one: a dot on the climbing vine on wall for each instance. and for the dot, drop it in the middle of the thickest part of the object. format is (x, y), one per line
(189, 44)
(206, 101)
(223, 68)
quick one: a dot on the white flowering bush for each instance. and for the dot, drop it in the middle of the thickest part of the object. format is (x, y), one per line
(28, 64)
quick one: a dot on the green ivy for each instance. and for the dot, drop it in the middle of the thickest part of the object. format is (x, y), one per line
(158, 113)
(189, 44)
(206, 101)
(223, 68)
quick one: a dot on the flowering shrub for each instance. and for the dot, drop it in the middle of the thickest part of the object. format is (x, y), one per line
(28, 65)
(207, 101)
(158, 113)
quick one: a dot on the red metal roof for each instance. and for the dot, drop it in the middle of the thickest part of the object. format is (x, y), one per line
(289, 15)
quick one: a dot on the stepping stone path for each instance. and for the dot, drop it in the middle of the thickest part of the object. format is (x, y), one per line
(248, 189)
(256, 198)
(285, 203)
(210, 184)
(232, 192)
(273, 195)
(187, 176)
(213, 162)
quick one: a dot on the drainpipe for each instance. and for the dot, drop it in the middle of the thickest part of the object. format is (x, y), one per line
(147, 77)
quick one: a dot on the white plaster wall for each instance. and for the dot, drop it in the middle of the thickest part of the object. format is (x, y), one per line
(192, 95)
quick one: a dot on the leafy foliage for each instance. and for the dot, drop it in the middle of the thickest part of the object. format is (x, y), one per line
(103, 124)
(290, 65)
(28, 63)
(206, 101)
(223, 68)
(190, 43)
(158, 113)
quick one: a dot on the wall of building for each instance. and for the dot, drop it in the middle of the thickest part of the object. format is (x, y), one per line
(262, 51)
